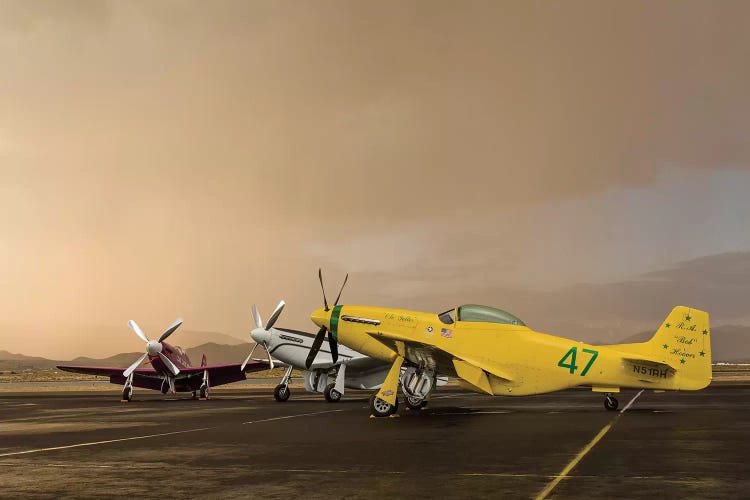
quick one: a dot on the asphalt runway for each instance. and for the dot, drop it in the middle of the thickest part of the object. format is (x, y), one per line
(244, 444)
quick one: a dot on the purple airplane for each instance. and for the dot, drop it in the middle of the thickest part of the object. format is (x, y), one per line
(170, 369)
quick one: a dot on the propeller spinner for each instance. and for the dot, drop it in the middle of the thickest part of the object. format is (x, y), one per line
(153, 347)
(261, 335)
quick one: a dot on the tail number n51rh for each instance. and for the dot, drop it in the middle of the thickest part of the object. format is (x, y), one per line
(572, 352)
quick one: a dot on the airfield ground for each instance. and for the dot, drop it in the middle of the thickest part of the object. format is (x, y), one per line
(243, 444)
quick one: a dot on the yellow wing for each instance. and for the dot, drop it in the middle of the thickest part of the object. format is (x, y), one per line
(473, 372)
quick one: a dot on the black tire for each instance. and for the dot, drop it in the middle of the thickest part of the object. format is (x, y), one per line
(380, 408)
(331, 394)
(611, 403)
(127, 394)
(204, 392)
(194, 395)
(415, 404)
(281, 393)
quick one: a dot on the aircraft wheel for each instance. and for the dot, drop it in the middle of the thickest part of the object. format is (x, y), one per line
(127, 394)
(281, 393)
(195, 395)
(331, 394)
(380, 408)
(204, 392)
(415, 403)
(611, 403)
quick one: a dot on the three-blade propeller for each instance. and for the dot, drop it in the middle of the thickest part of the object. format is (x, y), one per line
(153, 347)
(261, 335)
(332, 340)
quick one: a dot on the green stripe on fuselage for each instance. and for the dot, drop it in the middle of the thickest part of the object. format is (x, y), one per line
(335, 322)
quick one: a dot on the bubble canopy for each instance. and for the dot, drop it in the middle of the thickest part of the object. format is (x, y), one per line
(480, 314)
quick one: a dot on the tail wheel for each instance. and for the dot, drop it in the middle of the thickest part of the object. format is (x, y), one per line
(380, 408)
(281, 393)
(611, 403)
(331, 394)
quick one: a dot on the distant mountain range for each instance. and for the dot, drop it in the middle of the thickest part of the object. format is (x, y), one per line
(729, 343)
(216, 354)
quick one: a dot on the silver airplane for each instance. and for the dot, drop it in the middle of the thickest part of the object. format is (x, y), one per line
(351, 370)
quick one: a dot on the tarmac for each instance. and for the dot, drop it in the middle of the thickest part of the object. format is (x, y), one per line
(244, 444)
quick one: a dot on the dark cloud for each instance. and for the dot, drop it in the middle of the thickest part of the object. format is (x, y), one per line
(190, 157)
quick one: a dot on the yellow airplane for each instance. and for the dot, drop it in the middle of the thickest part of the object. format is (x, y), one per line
(491, 351)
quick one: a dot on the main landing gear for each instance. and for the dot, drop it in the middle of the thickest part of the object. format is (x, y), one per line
(281, 393)
(331, 394)
(205, 385)
(380, 408)
(414, 403)
(127, 390)
(127, 394)
(610, 402)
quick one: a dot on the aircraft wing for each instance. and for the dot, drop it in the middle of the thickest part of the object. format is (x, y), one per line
(224, 374)
(108, 371)
(218, 375)
(473, 371)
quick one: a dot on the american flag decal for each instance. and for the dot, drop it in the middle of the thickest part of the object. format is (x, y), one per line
(445, 332)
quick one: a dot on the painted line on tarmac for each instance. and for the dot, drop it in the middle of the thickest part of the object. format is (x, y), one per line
(148, 436)
(290, 416)
(94, 443)
(564, 473)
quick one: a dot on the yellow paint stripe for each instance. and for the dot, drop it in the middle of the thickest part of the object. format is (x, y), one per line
(574, 462)
(564, 473)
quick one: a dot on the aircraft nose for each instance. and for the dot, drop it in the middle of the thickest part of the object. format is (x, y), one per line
(260, 335)
(320, 317)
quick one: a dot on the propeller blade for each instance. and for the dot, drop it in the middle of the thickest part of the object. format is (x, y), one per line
(270, 359)
(170, 365)
(256, 317)
(333, 343)
(130, 369)
(320, 277)
(275, 315)
(174, 326)
(249, 357)
(315, 346)
(137, 329)
(339, 296)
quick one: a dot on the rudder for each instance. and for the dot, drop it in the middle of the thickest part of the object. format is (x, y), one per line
(684, 341)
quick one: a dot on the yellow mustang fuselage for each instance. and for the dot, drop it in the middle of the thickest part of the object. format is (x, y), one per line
(514, 360)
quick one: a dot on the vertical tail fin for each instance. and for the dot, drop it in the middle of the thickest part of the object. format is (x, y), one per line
(684, 341)
(203, 361)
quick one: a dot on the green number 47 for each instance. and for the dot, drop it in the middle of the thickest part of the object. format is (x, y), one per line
(571, 365)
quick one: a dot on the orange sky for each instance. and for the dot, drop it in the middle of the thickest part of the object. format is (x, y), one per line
(578, 164)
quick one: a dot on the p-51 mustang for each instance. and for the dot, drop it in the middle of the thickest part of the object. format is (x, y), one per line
(351, 369)
(491, 351)
(170, 370)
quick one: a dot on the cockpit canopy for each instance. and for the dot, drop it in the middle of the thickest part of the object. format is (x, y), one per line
(480, 314)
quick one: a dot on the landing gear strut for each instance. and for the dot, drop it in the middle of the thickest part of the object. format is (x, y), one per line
(610, 402)
(281, 393)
